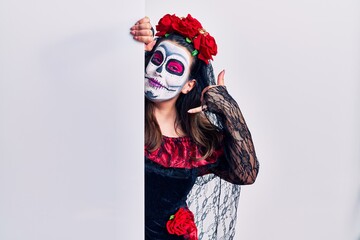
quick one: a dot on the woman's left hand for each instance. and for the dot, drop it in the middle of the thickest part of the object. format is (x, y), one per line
(220, 82)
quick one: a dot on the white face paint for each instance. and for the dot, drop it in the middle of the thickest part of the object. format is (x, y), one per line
(167, 72)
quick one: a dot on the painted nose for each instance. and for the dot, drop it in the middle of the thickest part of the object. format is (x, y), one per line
(159, 69)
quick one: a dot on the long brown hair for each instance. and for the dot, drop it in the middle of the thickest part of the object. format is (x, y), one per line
(196, 126)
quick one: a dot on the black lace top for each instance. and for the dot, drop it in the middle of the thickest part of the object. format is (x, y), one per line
(210, 189)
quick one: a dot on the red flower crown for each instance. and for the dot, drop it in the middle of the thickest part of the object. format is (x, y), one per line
(204, 44)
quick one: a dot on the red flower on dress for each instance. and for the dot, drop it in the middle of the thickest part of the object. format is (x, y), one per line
(182, 223)
(191, 29)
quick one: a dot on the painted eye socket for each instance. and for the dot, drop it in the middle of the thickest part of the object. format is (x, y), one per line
(157, 58)
(175, 67)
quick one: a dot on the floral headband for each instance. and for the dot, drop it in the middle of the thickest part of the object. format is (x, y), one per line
(204, 44)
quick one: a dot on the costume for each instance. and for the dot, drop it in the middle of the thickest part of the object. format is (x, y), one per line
(175, 180)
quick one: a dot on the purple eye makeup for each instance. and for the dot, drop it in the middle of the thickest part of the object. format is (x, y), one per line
(175, 67)
(157, 58)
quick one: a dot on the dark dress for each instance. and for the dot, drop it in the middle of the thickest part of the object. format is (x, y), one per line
(210, 187)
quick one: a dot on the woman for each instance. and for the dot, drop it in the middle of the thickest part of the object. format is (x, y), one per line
(194, 133)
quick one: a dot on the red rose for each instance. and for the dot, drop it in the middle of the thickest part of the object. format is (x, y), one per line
(184, 29)
(193, 22)
(165, 24)
(190, 26)
(182, 223)
(206, 46)
(187, 27)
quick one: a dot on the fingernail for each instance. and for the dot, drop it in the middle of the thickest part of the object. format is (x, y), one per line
(132, 32)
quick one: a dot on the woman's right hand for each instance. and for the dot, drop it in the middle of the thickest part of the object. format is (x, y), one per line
(142, 32)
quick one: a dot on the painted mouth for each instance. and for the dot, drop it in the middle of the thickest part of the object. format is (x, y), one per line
(156, 84)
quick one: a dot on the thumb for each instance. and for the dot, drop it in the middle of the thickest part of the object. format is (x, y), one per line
(220, 80)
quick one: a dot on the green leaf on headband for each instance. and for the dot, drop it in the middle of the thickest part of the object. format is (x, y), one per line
(167, 34)
(188, 40)
(195, 52)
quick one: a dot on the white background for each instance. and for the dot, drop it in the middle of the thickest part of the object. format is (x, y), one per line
(71, 115)
(293, 67)
(71, 120)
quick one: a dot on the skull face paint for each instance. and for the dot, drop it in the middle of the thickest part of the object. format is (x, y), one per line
(167, 71)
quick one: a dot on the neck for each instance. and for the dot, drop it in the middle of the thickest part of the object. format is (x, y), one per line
(165, 110)
(165, 114)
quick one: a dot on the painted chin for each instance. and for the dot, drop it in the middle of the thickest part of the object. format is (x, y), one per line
(153, 97)
(150, 95)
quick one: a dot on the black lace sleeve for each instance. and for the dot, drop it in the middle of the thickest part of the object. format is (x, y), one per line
(239, 164)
